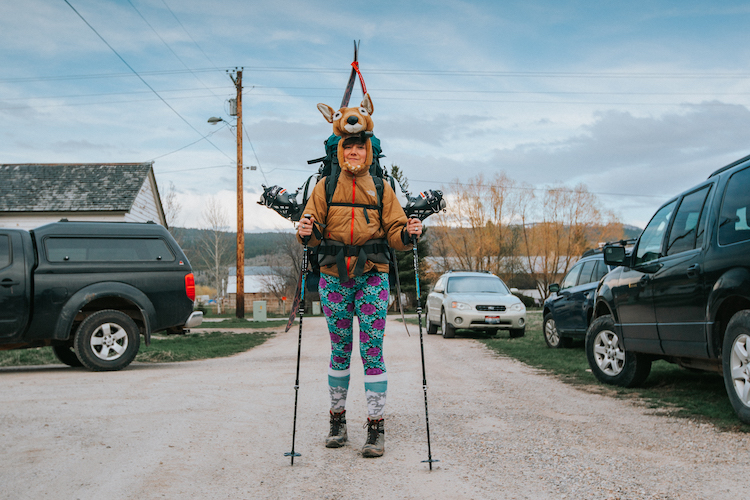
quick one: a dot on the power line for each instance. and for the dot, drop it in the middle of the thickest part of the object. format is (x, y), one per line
(167, 45)
(519, 188)
(508, 74)
(142, 80)
(188, 34)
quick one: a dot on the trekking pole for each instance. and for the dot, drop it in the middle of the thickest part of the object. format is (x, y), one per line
(421, 347)
(303, 274)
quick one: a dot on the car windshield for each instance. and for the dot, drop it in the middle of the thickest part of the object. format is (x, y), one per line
(474, 284)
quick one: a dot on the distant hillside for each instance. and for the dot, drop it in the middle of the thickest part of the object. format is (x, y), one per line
(255, 243)
(631, 231)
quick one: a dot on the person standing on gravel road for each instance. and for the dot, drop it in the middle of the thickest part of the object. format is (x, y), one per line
(353, 231)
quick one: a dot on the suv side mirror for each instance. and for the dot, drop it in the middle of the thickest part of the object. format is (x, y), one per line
(554, 288)
(614, 255)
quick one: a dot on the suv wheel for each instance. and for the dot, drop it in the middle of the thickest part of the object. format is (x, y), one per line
(736, 364)
(107, 340)
(448, 331)
(551, 337)
(608, 359)
(67, 355)
(432, 328)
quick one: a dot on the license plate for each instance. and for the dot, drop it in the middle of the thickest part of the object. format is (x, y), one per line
(492, 319)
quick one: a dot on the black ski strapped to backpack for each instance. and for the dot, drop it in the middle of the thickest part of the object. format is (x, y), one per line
(330, 252)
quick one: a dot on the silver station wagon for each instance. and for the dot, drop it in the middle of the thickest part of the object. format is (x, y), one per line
(474, 301)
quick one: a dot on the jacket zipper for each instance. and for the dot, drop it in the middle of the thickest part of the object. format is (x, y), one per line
(351, 236)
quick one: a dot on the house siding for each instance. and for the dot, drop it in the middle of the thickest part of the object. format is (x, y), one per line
(144, 207)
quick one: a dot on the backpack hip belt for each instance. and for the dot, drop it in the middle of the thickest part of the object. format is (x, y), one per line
(334, 252)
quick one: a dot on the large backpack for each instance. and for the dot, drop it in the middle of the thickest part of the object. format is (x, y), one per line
(330, 170)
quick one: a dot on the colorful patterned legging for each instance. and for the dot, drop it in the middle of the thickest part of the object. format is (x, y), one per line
(367, 297)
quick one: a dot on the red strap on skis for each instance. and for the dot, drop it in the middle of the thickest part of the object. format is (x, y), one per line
(355, 65)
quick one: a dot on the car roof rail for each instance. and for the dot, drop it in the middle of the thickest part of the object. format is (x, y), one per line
(622, 242)
(591, 251)
(727, 167)
(466, 271)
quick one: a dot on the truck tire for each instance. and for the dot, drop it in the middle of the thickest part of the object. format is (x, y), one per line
(736, 364)
(448, 331)
(67, 355)
(609, 361)
(107, 340)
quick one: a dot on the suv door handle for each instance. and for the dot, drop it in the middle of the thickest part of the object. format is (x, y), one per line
(9, 282)
(693, 270)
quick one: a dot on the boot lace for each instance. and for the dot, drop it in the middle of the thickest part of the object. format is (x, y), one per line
(373, 430)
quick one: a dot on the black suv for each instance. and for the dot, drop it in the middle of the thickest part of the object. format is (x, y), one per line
(568, 313)
(683, 294)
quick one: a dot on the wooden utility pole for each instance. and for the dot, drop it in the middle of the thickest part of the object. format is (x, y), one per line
(240, 307)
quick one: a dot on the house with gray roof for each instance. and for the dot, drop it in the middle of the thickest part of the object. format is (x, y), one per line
(32, 195)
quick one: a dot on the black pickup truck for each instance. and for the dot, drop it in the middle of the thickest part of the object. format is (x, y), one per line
(683, 293)
(90, 290)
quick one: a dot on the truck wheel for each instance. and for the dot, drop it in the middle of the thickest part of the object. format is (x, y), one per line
(448, 331)
(67, 355)
(107, 340)
(608, 359)
(736, 364)
(551, 336)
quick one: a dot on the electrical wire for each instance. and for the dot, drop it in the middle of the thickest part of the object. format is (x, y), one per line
(142, 79)
(519, 188)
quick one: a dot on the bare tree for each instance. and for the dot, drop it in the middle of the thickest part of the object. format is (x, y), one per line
(172, 207)
(558, 228)
(286, 264)
(215, 243)
(476, 232)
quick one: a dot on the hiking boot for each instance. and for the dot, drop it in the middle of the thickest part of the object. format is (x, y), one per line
(375, 444)
(337, 437)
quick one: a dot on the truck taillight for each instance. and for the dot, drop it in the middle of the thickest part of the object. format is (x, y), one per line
(190, 286)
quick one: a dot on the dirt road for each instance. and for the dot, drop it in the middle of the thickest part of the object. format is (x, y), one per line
(218, 429)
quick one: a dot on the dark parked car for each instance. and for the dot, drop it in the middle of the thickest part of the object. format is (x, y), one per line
(683, 294)
(90, 290)
(567, 314)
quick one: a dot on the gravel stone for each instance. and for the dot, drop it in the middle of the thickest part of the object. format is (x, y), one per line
(218, 429)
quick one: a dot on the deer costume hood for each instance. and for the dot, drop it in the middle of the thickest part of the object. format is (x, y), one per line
(352, 122)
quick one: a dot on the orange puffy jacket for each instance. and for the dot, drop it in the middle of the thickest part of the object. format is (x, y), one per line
(356, 226)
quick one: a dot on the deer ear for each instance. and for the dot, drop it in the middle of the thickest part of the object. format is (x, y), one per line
(327, 112)
(367, 103)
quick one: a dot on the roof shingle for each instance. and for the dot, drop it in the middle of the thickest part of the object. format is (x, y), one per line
(70, 187)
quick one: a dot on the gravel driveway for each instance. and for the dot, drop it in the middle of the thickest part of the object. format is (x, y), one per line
(218, 429)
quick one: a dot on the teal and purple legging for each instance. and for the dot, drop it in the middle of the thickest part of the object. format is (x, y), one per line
(367, 297)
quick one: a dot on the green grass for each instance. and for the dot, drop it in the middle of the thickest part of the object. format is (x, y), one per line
(188, 347)
(242, 323)
(669, 388)
(199, 346)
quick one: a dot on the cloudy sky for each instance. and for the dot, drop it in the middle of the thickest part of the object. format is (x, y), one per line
(638, 100)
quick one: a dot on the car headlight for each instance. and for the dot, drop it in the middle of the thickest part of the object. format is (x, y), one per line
(518, 307)
(460, 306)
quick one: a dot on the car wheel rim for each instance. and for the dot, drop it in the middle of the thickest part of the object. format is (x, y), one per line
(443, 322)
(550, 331)
(740, 364)
(109, 341)
(608, 353)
